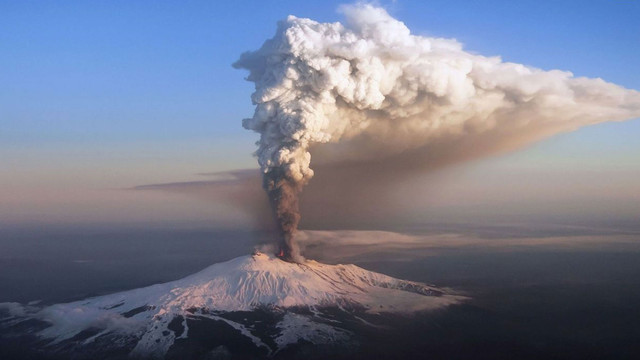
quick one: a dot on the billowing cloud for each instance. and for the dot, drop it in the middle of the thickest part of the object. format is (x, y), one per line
(368, 95)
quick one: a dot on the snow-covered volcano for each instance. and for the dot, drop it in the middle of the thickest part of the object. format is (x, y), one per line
(150, 320)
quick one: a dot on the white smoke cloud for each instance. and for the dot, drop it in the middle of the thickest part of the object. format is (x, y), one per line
(370, 90)
(371, 78)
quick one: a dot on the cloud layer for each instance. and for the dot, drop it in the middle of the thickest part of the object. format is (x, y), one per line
(374, 91)
(369, 101)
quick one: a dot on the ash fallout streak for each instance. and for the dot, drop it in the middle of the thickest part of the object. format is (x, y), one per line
(368, 93)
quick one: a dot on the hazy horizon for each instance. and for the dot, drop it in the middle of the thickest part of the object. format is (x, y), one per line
(72, 135)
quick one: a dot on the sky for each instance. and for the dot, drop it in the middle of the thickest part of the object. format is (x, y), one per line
(102, 96)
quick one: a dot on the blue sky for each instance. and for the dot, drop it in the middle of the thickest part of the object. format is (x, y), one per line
(145, 89)
(127, 71)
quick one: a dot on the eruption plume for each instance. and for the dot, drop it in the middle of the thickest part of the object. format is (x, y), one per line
(372, 92)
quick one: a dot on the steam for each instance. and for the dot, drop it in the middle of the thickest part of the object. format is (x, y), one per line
(374, 93)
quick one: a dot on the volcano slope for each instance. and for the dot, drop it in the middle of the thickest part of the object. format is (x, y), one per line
(256, 306)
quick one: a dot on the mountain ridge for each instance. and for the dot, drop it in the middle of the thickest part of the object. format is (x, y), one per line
(155, 317)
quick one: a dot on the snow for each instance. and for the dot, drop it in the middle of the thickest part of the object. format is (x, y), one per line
(295, 327)
(241, 284)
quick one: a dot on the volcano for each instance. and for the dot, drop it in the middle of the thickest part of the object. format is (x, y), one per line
(257, 303)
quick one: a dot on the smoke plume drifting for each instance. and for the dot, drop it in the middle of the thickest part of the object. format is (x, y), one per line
(373, 93)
